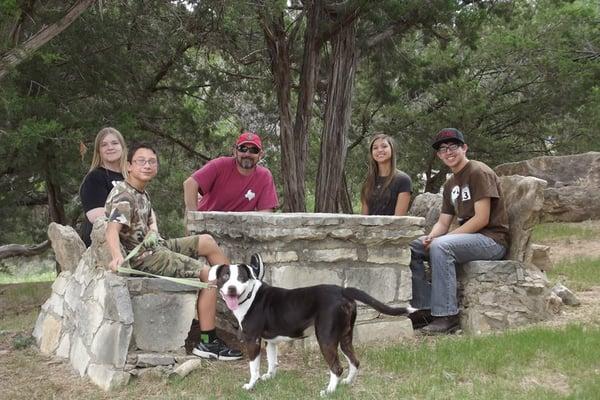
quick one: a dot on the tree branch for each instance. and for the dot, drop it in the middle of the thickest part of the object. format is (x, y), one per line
(17, 55)
(150, 127)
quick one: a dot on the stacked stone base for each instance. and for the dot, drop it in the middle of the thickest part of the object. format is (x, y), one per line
(497, 295)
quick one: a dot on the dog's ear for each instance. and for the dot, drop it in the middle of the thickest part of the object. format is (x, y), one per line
(213, 272)
(257, 268)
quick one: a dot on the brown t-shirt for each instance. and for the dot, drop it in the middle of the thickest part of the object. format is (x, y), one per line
(472, 183)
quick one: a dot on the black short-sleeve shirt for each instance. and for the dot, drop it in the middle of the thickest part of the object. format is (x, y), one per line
(383, 201)
(94, 190)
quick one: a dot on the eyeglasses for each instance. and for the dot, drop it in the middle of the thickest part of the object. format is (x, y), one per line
(450, 147)
(140, 162)
(246, 149)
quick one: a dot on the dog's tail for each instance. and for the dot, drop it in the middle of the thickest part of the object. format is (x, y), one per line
(357, 294)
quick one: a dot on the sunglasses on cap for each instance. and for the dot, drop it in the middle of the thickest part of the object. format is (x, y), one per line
(245, 149)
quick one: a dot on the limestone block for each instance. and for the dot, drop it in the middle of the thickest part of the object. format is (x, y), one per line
(110, 344)
(187, 366)
(50, 334)
(279, 256)
(60, 283)
(145, 360)
(64, 348)
(566, 295)
(54, 305)
(379, 282)
(90, 316)
(383, 329)
(107, 377)
(67, 245)
(330, 255)
(404, 293)
(540, 257)
(293, 277)
(389, 255)
(162, 320)
(79, 356)
(117, 304)
(524, 199)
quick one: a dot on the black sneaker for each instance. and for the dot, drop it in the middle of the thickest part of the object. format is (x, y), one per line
(217, 349)
(256, 263)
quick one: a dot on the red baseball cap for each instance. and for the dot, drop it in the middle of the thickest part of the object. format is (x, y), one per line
(249, 137)
(447, 135)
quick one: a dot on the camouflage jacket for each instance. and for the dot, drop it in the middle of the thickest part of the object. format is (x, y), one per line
(132, 209)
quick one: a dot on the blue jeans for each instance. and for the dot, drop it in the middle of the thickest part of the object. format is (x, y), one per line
(445, 252)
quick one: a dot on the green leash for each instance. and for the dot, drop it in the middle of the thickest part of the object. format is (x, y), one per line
(150, 240)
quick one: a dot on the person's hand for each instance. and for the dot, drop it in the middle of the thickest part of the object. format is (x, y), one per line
(427, 241)
(115, 263)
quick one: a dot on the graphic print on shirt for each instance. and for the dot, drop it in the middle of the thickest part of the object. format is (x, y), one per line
(250, 195)
(454, 194)
(465, 193)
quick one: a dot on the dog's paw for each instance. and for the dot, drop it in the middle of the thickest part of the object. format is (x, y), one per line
(267, 375)
(325, 392)
(248, 386)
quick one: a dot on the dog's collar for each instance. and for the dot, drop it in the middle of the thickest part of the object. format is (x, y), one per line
(248, 295)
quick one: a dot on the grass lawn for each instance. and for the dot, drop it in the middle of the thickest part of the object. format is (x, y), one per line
(531, 363)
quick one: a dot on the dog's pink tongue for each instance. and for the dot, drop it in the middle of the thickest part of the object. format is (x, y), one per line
(232, 302)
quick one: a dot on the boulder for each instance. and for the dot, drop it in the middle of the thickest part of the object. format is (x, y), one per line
(428, 206)
(573, 191)
(67, 245)
(540, 257)
(524, 199)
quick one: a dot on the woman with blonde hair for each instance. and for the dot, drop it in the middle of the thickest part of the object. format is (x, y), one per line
(109, 164)
(386, 190)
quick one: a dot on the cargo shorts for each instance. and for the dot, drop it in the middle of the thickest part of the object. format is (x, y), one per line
(173, 257)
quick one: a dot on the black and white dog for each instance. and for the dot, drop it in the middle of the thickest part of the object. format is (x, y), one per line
(276, 314)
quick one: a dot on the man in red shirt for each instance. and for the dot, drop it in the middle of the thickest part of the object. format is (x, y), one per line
(234, 183)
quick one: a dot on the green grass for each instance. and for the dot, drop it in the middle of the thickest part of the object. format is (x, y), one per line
(554, 231)
(43, 277)
(578, 274)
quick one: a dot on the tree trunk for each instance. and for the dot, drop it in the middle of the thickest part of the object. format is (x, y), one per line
(278, 46)
(337, 120)
(16, 250)
(308, 81)
(47, 33)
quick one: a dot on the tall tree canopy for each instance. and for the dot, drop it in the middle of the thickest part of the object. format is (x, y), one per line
(315, 78)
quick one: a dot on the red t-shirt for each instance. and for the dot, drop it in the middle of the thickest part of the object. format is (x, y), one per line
(223, 188)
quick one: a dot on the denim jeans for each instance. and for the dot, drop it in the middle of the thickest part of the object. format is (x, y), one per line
(445, 253)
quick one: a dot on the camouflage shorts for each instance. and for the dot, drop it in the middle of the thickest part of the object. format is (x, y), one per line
(177, 258)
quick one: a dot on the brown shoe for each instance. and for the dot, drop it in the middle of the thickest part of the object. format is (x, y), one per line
(420, 318)
(442, 325)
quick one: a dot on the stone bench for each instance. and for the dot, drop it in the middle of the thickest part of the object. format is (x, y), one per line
(496, 295)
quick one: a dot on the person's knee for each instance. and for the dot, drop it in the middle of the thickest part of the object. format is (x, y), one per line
(203, 275)
(206, 243)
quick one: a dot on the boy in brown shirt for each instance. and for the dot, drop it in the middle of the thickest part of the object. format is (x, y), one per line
(472, 195)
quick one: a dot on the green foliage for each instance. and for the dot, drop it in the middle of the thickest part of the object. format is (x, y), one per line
(520, 78)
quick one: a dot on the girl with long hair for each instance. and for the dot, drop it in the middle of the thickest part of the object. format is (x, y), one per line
(109, 165)
(386, 190)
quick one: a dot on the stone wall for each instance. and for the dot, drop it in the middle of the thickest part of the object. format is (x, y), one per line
(303, 249)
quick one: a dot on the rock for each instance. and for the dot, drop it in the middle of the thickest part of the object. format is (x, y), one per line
(187, 367)
(566, 295)
(573, 191)
(67, 245)
(106, 377)
(524, 199)
(496, 295)
(29, 265)
(145, 360)
(428, 206)
(540, 257)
